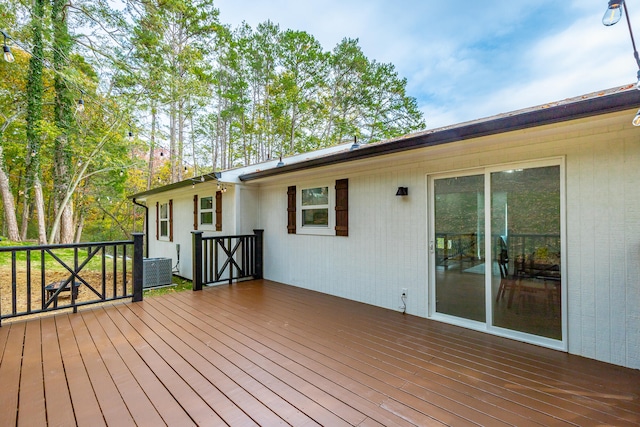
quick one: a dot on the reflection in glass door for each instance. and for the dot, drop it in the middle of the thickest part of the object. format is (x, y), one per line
(459, 247)
(517, 286)
(526, 245)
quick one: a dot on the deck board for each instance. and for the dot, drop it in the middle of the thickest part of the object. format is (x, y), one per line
(10, 370)
(263, 353)
(31, 397)
(56, 391)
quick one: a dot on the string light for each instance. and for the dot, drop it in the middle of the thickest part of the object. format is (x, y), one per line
(80, 106)
(8, 56)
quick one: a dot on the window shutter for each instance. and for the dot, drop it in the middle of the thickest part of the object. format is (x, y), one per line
(195, 212)
(157, 220)
(291, 210)
(171, 220)
(342, 207)
(218, 210)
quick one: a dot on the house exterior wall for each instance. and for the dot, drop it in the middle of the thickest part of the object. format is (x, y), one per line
(386, 249)
(183, 223)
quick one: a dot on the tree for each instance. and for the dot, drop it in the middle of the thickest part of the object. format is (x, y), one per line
(63, 119)
(35, 90)
(205, 95)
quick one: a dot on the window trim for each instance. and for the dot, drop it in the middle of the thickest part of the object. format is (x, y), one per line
(216, 210)
(202, 211)
(169, 220)
(329, 229)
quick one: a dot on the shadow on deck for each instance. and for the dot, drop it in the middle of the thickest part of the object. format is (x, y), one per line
(263, 353)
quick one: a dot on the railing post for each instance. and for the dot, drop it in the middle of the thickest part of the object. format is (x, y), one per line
(196, 253)
(138, 245)
(259, 253)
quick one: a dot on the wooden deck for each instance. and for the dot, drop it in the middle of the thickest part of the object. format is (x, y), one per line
(262, 353)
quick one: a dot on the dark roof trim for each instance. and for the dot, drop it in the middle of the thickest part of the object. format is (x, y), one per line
(589, 106)
(215, 176)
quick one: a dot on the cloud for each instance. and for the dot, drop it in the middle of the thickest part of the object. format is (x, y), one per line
(470, 59)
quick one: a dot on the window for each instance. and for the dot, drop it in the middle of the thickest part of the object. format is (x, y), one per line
(164, 220)
(315, 207)
(206, 210)
(320, 209)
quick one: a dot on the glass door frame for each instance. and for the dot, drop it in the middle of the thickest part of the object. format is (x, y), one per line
(488, 326)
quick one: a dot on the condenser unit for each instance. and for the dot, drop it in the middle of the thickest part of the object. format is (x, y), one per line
(156, 272)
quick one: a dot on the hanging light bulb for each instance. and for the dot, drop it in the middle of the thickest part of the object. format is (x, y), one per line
(33, 153)
(185, 169)
(130, 136)
(121, 172)
(80, 106)
(8, 56)
(636, 119)
(202, 178)
(613, 13)
(161, 153)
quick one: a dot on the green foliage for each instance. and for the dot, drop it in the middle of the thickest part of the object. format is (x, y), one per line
(205, 95)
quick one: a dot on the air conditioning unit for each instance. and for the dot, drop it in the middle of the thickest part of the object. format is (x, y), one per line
(156, 272)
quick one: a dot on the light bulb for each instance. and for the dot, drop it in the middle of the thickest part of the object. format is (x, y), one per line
(8, 56)
(130, 136)
(636, 119)
(80, 107)
(613, 13)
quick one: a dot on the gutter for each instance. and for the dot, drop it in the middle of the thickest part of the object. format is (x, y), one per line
(146, 224)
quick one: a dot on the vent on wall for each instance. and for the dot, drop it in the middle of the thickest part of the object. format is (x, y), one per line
(156, 272)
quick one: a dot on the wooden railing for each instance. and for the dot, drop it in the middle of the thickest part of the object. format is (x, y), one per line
(53, 277)
(465, 249)
(220, 259)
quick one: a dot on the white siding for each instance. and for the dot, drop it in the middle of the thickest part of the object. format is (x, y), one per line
(386, 248)
(183, 223)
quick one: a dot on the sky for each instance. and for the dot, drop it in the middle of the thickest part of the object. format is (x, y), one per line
(468, 59)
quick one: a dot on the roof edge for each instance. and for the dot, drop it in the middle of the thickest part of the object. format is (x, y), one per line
(213, 176)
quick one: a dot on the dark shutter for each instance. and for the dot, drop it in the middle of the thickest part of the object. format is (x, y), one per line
(291, 210)
(218, 210)
(157, 220)
(195, 212)
(342, 207)
(171, 220)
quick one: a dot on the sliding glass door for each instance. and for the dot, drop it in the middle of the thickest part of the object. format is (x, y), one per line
(459, 246)
(496, 250)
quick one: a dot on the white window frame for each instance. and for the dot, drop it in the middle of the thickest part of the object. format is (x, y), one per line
(166, 220)
(330, 228)
(212, 211)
